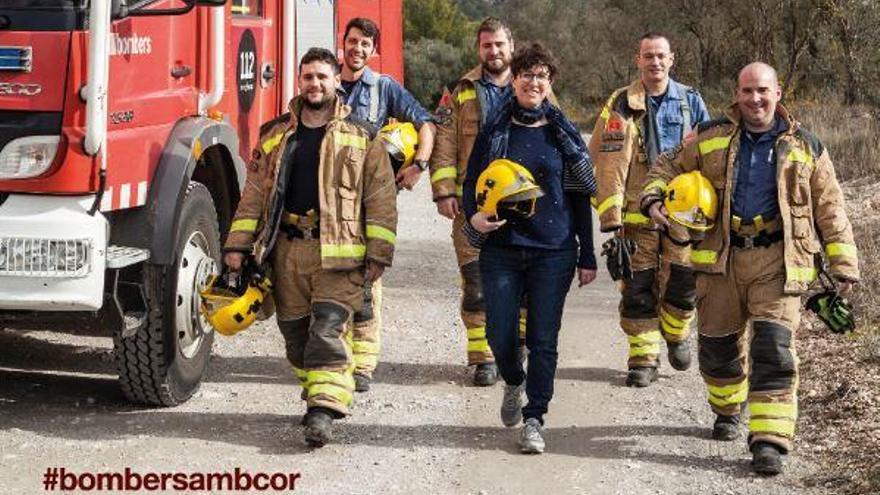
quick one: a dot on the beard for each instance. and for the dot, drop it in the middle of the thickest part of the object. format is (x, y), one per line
(505, 64)
(321, 104)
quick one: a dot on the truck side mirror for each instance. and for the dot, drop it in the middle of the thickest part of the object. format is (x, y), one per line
(118, 9)
(211, 3)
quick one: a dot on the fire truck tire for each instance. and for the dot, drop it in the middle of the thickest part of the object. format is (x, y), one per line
(163, 363)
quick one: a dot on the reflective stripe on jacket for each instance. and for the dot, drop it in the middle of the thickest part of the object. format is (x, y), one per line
(810, 199)
(358, 196)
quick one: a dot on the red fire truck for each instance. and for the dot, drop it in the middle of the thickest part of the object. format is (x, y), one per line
(124, 130)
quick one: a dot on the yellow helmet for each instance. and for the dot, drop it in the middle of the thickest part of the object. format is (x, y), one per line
(400, 140)
(230, 308)
(507, 186)
(691, 201)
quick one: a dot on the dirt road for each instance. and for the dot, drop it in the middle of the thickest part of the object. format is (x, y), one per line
(422, 429)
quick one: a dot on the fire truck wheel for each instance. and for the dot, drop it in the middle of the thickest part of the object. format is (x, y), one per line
(163, 363)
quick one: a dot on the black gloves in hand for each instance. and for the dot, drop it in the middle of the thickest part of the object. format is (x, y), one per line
(618, 252)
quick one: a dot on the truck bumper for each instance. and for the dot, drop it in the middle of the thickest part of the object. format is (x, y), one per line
(52, 253)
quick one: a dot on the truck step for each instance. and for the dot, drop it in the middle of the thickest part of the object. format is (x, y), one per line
(122, 256)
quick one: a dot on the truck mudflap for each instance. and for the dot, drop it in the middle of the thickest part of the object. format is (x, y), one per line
(52, 253)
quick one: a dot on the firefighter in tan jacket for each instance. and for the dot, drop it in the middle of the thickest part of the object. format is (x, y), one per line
(779, 205)
(650, 116)
(463, 110)
(319, 205)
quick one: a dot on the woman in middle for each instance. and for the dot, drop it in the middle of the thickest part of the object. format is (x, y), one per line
(532, 239)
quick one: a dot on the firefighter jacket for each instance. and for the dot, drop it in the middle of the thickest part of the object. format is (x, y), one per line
(619, 153)
(810, 198)
(357, 197)
(462, 113)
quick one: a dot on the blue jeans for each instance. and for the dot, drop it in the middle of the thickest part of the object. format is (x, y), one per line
(545, 275)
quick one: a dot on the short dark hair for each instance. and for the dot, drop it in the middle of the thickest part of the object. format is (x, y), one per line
(530, 56)
(653, 35)
(366, 26)
(320, 55)
(491, 25)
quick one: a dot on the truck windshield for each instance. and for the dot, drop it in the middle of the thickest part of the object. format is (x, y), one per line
(45, 4)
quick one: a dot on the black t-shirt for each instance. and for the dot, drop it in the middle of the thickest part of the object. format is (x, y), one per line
(302, 187)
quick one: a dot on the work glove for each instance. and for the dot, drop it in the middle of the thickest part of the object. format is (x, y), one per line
(618, 257)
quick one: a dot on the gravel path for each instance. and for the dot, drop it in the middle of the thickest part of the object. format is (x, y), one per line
(422, 429)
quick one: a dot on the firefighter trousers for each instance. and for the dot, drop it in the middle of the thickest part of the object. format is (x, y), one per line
(366, 338)
(758, 365)
(314, 308)
(472, 306)
(661, 270)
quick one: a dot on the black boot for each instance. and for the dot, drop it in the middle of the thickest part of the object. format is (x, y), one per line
(641, 376)
(485, 375)
(362, 382)
(726, 428)
(679, 355)
(318, 429)
(766, 458)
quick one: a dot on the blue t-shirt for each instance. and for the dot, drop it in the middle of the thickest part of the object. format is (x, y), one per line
(552, 225)
(756, 191)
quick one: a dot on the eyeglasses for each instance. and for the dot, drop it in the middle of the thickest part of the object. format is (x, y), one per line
(541, 77)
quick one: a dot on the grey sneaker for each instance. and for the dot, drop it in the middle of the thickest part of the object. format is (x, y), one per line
(530, 439)
(511, 404)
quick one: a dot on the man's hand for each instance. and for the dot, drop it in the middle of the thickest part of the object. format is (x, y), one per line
(657, 212)
(374, 271)
(408, 177)
(484, 224)
(233, 259)
(845, 287)
(586, 276)
(449, 207)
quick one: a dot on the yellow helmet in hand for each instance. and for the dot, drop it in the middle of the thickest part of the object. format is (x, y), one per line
(507, 186)
(400, 140)
(691, 201)
(231, 307)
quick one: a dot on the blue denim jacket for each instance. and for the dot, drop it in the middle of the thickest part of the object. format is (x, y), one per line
(394, 101)
(668, 115)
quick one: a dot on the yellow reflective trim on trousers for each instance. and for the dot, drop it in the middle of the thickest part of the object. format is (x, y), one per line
(465, 95)
(331, 390)
(714, 144)
(300, 373)
(244, 225)
(644, 350)
(783, 427)
(728, 394)
(343, 250)
(271, 143)
(797, 155)
(365, 347)
(379, 232)
(841, 249)
(672, 325)
(444, 173)
(478, 346)
(459, 190)
(773, 409)
(476, 333)
(801, 273)
(656, 183)
(635, 218)
(348, 139)
(704, 257)
(613, 200)
(648, 338)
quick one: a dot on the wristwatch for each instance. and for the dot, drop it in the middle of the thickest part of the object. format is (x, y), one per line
(422, 164)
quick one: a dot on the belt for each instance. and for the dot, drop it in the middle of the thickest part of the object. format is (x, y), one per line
(294, 232)
(755, 241)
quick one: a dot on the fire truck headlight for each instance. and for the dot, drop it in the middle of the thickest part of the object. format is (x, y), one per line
(45, 257)
(28, 157)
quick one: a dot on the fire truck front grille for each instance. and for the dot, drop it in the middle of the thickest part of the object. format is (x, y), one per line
(16, 58)
(49, 258)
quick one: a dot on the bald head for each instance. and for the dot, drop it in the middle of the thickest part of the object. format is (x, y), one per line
(757, 94)
(759, 70)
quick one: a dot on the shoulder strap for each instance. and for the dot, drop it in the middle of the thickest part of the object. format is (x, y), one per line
(374, 100)
(685, 108)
